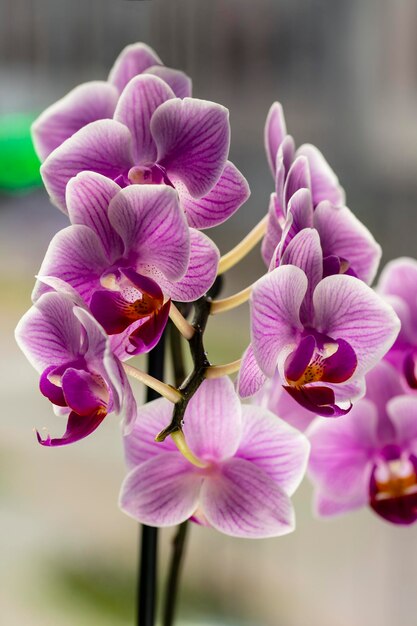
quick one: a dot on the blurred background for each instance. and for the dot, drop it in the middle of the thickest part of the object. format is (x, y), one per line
(346, 73)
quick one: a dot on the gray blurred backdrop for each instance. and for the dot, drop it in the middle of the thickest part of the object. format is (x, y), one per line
(346, 73)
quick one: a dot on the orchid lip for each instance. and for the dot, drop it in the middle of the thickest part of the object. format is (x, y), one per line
(320, 359)
(146, 336)
(84, 393)
(320, 400)
(129, 298)
(77, 428)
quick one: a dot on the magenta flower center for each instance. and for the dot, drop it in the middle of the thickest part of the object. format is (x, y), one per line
(74, 386)
(393, 488)
(127, 298)
(319, 358)
(313, 372)
(152, 174)
(395, 478)
(410, 368)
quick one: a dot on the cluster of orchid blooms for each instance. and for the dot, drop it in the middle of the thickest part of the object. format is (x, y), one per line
(140, 167)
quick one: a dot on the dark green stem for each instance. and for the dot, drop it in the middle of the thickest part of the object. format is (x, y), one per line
(177, 355)
(149, 535)
(200, 362)
(178, 545)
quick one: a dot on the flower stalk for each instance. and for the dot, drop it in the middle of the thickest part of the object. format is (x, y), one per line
(178, 547)
(217, 371)
(182, 445)
(185, 328)
(227, 304)
(146, 605)
(236, 254)
(200, 361)
(162, 389)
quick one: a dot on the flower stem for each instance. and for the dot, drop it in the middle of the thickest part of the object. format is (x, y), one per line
(186, 330)
(149, 535)
(201, 363)
(177, 355)
(227, 304)
(177, 558)
(179, 440)
(216, 371)
(243, 248)
(161, 389)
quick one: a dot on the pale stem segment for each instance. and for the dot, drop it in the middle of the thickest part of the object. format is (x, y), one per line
(217, 371)
(179, 440)
(243, 248)
(227, 304)
(168, 392)
(185, 328)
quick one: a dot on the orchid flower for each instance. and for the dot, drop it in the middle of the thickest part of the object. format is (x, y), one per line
(348, 246)
(308, 195)
(155, 138)
(97, 100)
(127, 253)
(250, 464)
(79, 373)
(398, 284)
(369, 457)
(321, 334)
(281, 155)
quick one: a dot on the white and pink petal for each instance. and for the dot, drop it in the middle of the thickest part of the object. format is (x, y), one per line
(277, 448)
(138, 102)
(324, 182)
(86, 103)
(178, 81)
(104, 146)
(162, 491)
(213, 420)
(133, 60)
(250, 378)
(153, 228)
(200, 273)
(243, 501)
(342, 453)
(220, 203)
(275, 314)
(49, 333)
(88, 196)
(192, 137)
(75, 256)
(140, 444)
(274, 133)
(343, 235)
(346, 308)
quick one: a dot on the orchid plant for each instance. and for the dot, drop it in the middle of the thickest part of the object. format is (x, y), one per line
(140, 167)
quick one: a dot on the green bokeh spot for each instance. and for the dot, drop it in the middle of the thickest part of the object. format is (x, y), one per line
(19, 164)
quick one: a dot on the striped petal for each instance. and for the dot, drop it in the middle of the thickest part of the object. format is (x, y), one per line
(103, 146)
(224, 199)
(193, 138)
(138, 102)
(153, 228)
(243, 501)
(162, 491)
(200, 273)
(86, 103)
(133, 60)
